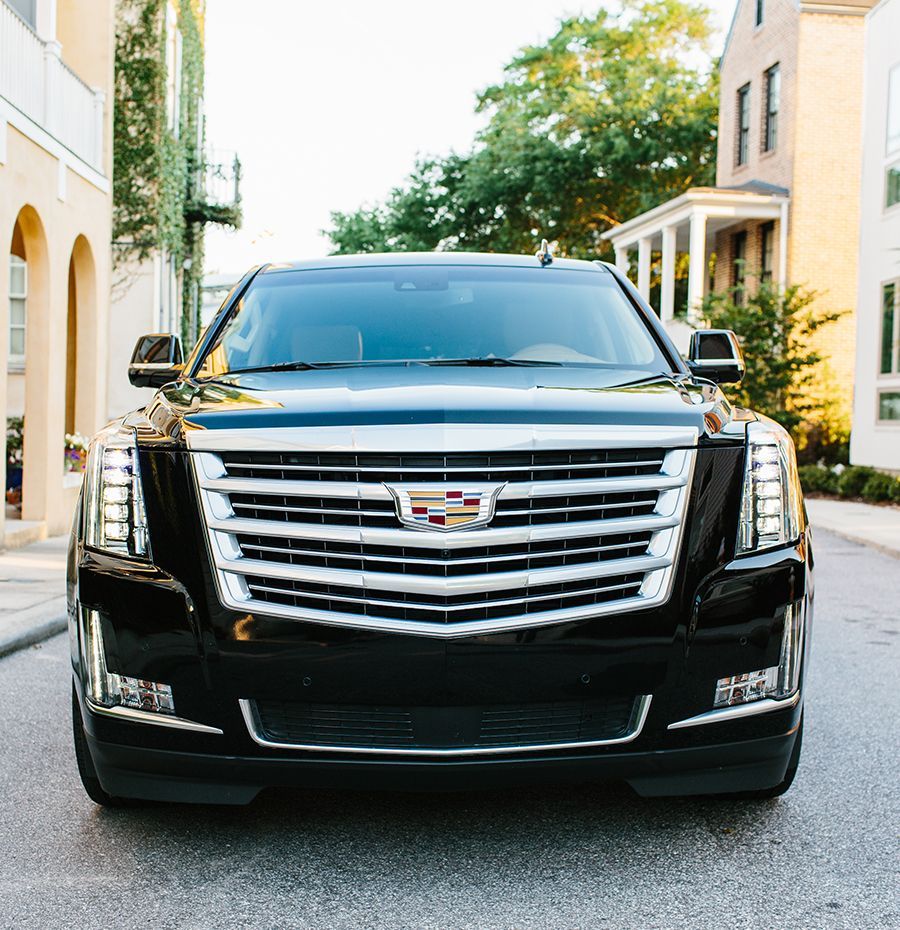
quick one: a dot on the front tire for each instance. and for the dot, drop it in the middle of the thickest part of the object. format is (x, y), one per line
(86, 769)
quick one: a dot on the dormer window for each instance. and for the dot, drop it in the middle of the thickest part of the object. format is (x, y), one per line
(760, 12)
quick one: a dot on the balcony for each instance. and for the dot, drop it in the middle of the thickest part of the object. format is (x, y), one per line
(35, 81)
(216, 190)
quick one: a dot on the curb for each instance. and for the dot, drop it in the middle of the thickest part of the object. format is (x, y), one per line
(859, 540)
(51, 618)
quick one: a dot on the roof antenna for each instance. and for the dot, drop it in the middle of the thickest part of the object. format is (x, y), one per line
(545, 254)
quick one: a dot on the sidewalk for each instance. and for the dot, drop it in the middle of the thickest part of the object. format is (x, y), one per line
(32, 593)
(878, 527)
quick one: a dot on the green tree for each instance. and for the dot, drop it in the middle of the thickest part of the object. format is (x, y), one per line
(613, 115)
(776, 330)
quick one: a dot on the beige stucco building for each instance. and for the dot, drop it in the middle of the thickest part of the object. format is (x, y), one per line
(786, 200)
(875, 439)
(56, 74)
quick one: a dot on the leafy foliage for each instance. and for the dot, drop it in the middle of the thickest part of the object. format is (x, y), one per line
(158, 200)
(613, 115)
(775, 329)
(818, 479)
(139, 117)
(852, 480)
(855, 481)
(881, 487)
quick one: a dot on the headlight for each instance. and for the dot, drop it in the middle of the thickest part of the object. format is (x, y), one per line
(770, 507)
(114, 515)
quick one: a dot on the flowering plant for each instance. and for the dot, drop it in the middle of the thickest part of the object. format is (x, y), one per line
(15, 429)
(76, 452)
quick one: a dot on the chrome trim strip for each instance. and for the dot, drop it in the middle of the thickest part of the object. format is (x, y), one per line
(441, 469)
(519, 490)
(251, 718)
(440, 437)
(736, 711)
(451, 608)
(437, 585)
(441, 630)
(133, 715)
(405, 538)
(410, 560)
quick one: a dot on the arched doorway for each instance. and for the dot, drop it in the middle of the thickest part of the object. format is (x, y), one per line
(82, 364)
(28, 362)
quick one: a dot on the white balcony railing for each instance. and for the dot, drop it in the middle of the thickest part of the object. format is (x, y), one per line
(36, 82)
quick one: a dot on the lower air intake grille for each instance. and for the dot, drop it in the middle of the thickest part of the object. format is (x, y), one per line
(500, 726)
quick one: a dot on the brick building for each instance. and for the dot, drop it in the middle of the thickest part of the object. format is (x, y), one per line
(786, 201)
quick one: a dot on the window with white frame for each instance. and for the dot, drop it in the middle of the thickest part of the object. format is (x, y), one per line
(892, 140)
(889, 350)
(743, 126)
(893, 113)
(773, 104)
(18, 294)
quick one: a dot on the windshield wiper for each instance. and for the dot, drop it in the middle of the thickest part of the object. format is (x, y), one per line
(490, 361)
(658, 376)
(289, 366)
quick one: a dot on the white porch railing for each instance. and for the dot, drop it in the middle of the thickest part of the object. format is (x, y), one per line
(35, 81)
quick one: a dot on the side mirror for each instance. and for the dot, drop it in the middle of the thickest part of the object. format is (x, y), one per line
(715, 354)
(156, 360)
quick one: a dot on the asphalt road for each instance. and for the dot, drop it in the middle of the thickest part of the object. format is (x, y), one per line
(825, 855)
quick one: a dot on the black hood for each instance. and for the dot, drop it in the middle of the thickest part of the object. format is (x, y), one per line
(420, 394)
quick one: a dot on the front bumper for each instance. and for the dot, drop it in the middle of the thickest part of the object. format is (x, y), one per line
(722, 622)
(204, 778)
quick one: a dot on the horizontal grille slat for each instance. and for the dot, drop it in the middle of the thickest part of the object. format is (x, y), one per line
(448, 563)
(501, 466)
(315, 534)
(442, 608)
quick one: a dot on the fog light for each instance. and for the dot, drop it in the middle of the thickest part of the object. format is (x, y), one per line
(778, 681)
(109, 689)
(748, 686)
(144, 695)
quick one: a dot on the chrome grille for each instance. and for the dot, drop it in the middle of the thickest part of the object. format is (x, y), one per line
(314, 535)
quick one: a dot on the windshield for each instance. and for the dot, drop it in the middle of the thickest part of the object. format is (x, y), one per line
(431, 314)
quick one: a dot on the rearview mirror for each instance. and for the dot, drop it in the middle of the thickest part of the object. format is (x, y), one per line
(156, 360)
(715, 354)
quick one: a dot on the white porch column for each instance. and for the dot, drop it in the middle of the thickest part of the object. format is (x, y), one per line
(783, 247)
(667, 290)
(645, 247)
(622, 258)
(697, 270)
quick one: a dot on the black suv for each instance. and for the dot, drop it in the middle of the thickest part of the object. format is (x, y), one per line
(438, 521)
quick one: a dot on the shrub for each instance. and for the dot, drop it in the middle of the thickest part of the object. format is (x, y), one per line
(818, 478)
(853, 479)
(881, 487)
(775, 327)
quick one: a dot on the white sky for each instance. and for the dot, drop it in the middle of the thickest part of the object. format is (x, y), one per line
(329, 103)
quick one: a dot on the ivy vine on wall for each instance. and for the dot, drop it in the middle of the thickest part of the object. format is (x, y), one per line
(159, 202)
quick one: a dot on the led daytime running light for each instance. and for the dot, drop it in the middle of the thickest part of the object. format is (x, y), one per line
(115, 518)
(770, 507)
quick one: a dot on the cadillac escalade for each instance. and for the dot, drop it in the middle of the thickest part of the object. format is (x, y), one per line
(438, 521)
